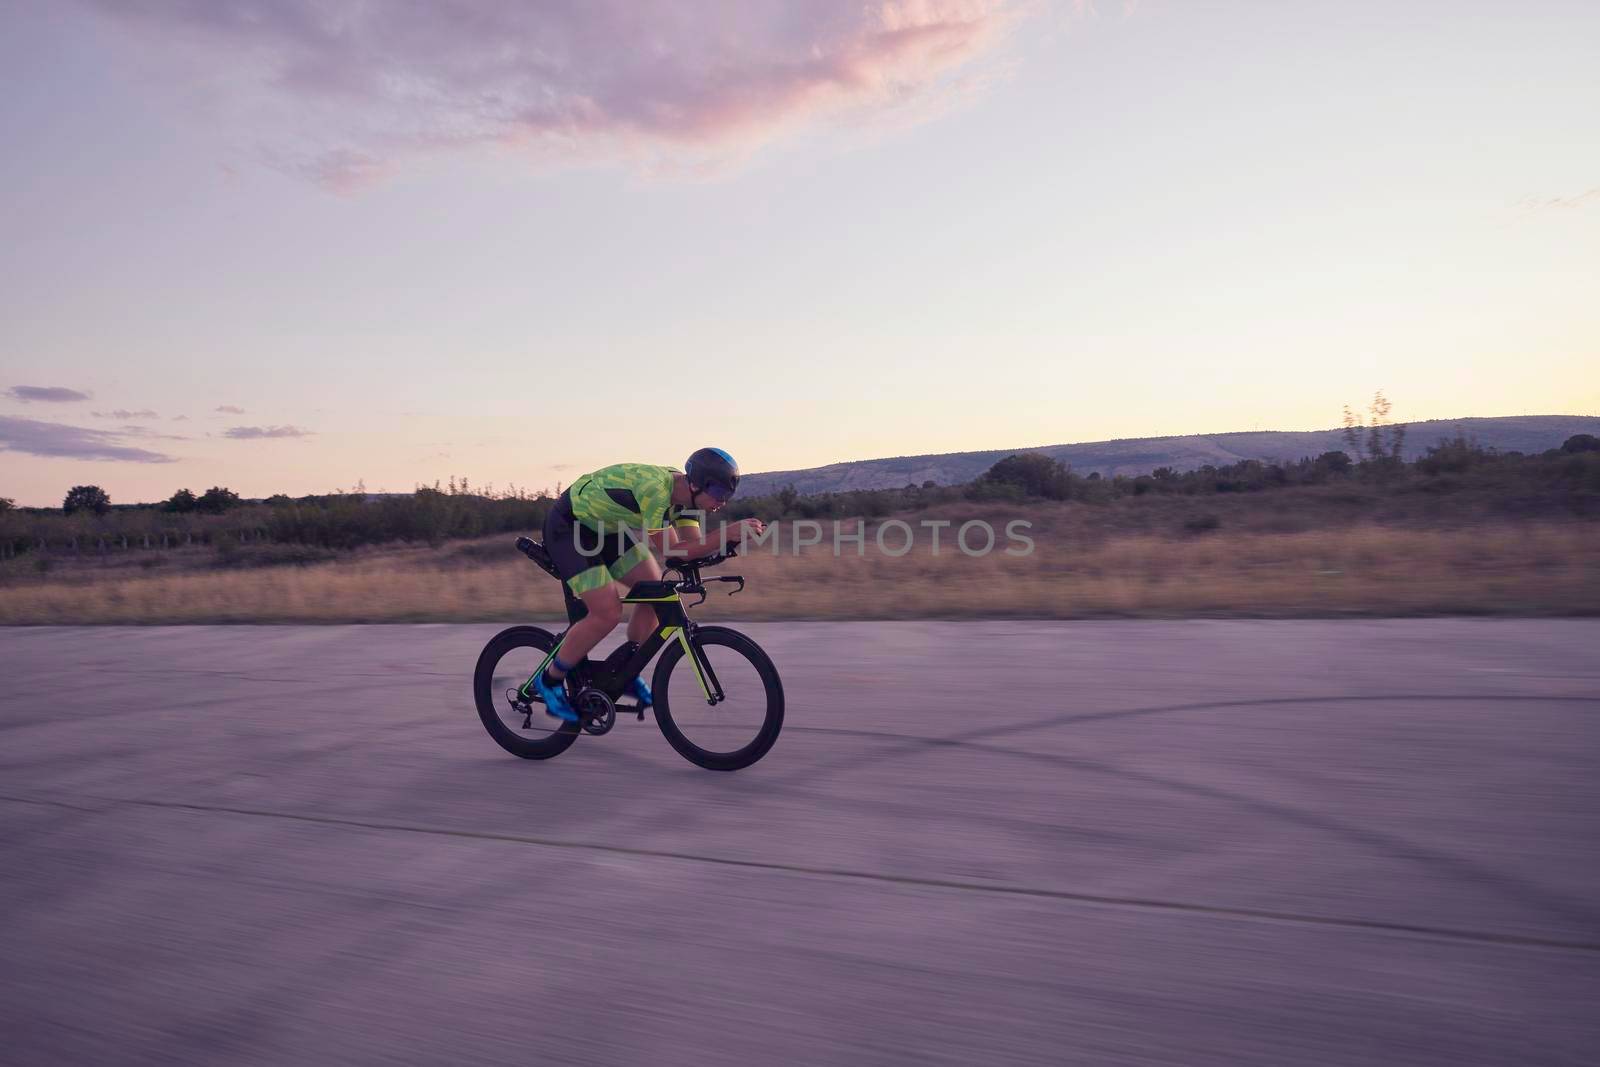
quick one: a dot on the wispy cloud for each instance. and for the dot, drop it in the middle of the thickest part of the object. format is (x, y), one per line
(1561, 203)
(124, 414)
(245, 433)
(230, 409)
(149, 434)
(180, 418)
(73, 442)
(346, 90)
(48, 394)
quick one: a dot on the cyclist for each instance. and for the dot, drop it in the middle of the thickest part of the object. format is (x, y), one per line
(590, 534)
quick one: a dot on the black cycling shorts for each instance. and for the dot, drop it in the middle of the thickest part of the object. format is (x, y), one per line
(586, 559)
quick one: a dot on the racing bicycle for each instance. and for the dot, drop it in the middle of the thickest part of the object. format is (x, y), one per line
(717, 697)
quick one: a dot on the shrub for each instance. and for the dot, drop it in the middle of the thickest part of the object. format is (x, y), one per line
(1333, 463)
(1581, 442)
(1453, 455)
(216, 500)
(1379, 443)
(86, 498)
(1034, 474)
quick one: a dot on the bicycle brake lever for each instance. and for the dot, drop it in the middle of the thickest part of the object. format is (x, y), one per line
(735, 578)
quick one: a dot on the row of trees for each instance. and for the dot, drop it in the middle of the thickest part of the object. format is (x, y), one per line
(1577, 461)
(336, 521)
(93, 499)
(1566, 479)
(216, 500)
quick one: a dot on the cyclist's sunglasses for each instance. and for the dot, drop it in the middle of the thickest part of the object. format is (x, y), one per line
(719, 493)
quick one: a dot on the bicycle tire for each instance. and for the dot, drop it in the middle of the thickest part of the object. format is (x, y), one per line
(772, 723)
(553, 743)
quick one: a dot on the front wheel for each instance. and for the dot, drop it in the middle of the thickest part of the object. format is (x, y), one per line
(738, 730)
(520, 727)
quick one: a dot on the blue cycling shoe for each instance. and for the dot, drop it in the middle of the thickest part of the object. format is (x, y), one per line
(555, 699)
(641, 692)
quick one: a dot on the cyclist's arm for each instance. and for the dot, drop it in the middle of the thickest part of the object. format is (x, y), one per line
(684, 542)
(689, 542)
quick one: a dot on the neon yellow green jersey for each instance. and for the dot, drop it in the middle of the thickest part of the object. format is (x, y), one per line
(638, 495)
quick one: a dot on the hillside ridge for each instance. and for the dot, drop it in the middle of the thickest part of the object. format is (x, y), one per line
(1140, 455)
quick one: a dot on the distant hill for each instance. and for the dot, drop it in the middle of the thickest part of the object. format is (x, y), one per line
(1141, 455)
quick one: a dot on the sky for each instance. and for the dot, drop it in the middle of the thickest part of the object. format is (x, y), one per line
(303, 245)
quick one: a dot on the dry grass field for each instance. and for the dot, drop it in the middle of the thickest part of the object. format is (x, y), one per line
(1079, 568)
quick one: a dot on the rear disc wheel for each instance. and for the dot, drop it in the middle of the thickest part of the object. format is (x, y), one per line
(520, 726)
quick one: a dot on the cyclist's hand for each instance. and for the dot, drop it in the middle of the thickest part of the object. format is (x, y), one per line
(747, 528)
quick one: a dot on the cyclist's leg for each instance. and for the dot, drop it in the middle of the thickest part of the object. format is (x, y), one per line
(605, 611)
(642, 623)
(584, 561)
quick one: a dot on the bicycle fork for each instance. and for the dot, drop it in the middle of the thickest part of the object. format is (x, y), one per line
(702, 666)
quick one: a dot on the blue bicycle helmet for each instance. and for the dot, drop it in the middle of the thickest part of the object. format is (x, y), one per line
(712, 471)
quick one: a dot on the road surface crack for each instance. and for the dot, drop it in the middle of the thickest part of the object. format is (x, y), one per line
(999, 889)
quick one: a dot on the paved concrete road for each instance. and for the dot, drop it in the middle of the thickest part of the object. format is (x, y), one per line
(1145, 842)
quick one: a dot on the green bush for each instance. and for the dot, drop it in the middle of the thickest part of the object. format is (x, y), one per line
(86, 498)
(1032, 474)
(216, 500)
(1453, 455)
(1581, 442)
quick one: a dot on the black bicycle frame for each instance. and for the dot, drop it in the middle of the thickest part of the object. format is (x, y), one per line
(671, 622)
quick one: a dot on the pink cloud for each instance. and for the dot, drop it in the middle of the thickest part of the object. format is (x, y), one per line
(250, 433)
(343, 91)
